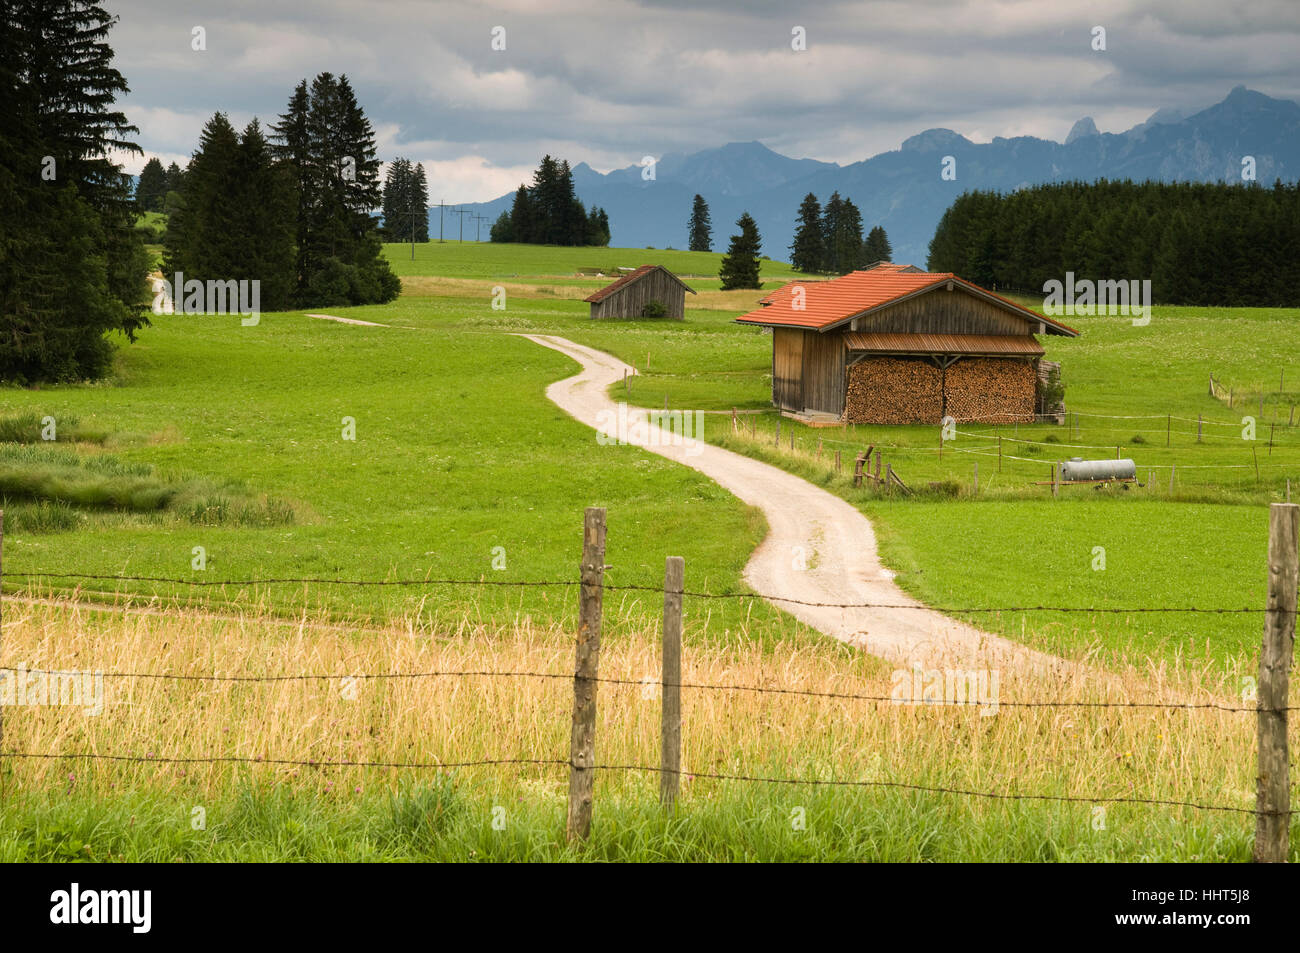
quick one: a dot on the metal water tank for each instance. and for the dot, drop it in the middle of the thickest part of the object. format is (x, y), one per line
(1076, 468)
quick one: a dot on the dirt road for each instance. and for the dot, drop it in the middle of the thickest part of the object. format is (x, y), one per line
(819, 548)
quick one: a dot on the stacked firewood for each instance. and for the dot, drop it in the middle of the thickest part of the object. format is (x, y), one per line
(894, 390)
(995, 390)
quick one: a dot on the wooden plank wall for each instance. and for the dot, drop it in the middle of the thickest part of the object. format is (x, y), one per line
(946, 312)
(629, 300)
(787, 368)
(823, 372)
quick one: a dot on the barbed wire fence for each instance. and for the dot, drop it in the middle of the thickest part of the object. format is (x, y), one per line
(1272, 810)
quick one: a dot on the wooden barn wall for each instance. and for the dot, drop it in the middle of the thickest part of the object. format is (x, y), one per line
(629, 300)
(945, 312)
(787, 368)
(823, 372)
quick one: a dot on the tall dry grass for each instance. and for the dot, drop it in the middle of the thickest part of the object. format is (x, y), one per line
(1100, 753)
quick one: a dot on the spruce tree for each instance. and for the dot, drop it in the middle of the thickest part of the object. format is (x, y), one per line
(397, 202)
(700, 236)
(808, 250)
(328, 145)
(263, 202)
(740, 266)
(502, 229)
(420, 203)
(876, 247)
(292, 148)
(848, 238)
(830, 226)
(72, 268)
(151, 187)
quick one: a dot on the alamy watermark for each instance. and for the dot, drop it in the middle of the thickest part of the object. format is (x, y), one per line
(651, 428)
(180, 296)
(952, 686)
(1089, 297)
(81, 689)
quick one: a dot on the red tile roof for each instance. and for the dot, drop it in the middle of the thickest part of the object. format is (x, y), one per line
(829, 303)
(627, 279)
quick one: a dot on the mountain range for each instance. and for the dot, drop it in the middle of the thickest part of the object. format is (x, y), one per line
(903, 190)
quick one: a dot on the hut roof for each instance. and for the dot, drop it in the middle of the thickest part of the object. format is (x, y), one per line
(828, 304)
(911, 343)
(627, 279)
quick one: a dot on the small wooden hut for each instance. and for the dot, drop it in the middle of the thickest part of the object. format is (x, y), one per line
(897, 345)
(628, 297)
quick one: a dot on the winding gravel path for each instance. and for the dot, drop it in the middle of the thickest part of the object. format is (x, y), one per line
(808, 527)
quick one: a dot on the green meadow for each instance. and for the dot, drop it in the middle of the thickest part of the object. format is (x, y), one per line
(234, 443)
(460, 465)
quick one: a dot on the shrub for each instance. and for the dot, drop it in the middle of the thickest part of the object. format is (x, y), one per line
(654, 309)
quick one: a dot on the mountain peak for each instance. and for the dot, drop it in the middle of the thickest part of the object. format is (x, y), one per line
(1082, 129)
(932, 140)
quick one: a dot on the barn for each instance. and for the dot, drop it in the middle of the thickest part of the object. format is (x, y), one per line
(897, 345)
(628, 297)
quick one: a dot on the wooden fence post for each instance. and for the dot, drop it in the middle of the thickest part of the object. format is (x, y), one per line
(819, 449)
(670, 765)
(1272, 794)
(838, 468)
(1053, 481)
(778, 433)
(878, 456)
(889, 478)
(733, 420)
(582, 741)
(857, 467)
(1254, 455)
(11, 674)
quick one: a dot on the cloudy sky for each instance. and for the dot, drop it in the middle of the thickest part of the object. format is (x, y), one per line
(610, 81)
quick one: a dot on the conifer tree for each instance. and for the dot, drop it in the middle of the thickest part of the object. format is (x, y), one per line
(151, 187)
(740, 266)
(808, 250)
(876, 247)
(700, 228)
(72, 268)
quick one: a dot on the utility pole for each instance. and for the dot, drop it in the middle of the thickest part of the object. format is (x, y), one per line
(412, 213)
(462, 212)
(441, 205)
(478, 223)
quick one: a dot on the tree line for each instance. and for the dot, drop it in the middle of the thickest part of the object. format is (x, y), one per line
(549, 212)
(829, 238)
(72, 269)
(1198, 243)
(291, 210)
(406, 203)
(155, 184)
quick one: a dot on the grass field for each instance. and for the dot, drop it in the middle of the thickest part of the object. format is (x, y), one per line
(391, 808)
(233, 439)
(458, 452)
